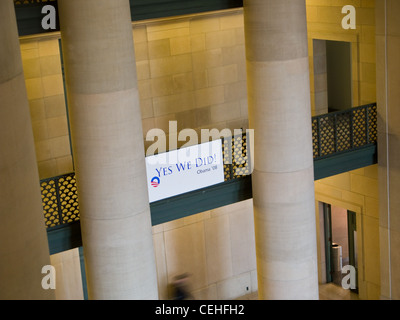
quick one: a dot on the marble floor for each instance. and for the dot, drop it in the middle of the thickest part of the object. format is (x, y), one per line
(328, 291)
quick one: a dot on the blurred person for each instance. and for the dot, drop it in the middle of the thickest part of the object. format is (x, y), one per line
(181, 287)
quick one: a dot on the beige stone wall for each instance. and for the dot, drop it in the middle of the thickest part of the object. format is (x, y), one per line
(44, 84)
(319, 90)
(68, 275)
(357, 191)
(324, 22)
(192, 69)
(388, 71)
(216, 247)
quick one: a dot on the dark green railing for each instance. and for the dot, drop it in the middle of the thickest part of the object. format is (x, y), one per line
(60, 198)
(334, 134)
(344, 131)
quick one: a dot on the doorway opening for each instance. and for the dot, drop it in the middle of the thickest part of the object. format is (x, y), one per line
(338, 67)
(332, 75)
(340, 242)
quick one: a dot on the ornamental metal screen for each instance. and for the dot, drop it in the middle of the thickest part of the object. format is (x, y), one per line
(236, 156)
(344, 131)
(60, 200)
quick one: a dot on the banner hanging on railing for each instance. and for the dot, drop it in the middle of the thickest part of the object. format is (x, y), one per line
(186, 169)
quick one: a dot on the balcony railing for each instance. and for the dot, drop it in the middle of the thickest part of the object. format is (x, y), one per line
(332, 133)
(344, 131)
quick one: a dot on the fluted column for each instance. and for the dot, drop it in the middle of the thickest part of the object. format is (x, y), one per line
(108, 149)
(23, 240)
(283, 179)
(388, 100)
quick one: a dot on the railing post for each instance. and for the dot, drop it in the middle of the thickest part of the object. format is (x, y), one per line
(319, 136)
(366, 125)
(228, 148)
(351, 129)
(57, 187)
(335, 132)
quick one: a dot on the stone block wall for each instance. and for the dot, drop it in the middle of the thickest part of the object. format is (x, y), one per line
(191, 69)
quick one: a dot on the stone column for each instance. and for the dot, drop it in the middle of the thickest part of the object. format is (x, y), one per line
(283, 179)
(107, 142)
(24, 248)
(388, 100)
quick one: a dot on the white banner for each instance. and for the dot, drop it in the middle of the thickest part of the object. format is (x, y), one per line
(183, 170)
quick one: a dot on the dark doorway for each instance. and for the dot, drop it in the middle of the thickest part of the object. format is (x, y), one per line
(339, 75)
(340, 242)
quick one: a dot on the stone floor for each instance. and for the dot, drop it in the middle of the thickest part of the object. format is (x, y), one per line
(327, 291)
(330, 291)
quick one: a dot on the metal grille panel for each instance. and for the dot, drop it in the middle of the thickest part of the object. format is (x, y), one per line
(315, 136)
(68, 199)
(50, 203)
(343, 129)
(227, 155)
(327, 135)
(240, 159)
(60, 200)
(359, 127)
(372, 123)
